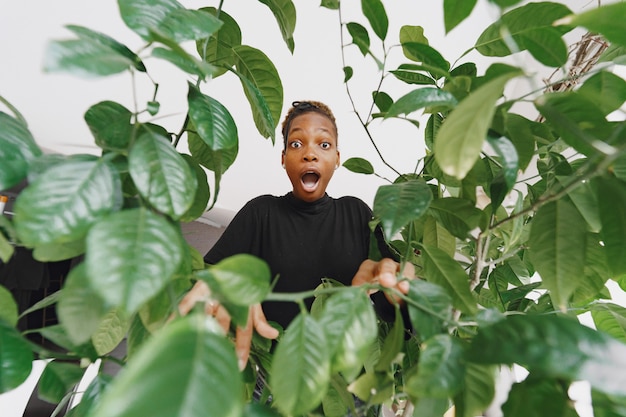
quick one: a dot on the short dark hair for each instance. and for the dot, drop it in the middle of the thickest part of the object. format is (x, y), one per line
(306, 106)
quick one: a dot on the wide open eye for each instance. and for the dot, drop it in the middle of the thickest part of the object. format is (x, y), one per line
(295, 144)
(325, 145)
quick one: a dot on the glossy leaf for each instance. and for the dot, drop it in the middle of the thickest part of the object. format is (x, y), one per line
(440, 370)
(212, 121)
(604, 20)
(202, 195)
(184, 61)
(285, 13)
(8, 307)
(458, 216)
(215, 160)
(111, 331)
(300, 370)
(398, 204)
(611, 194)
(570, 350)
(349, 321)
(611, 319)
(14, 166)
(109, 122)
(392, 345)
(217, 50)
(435, 234)
(412, 77)
(57, 380)
(185, 369)
(143, 16)
(374, 11)
(506, 179)
(359, 165)
(430, 308)
(161, 175)
(456, 11)
(586, 201)
(529, 27)
(419, 99)
(606, 89)
(557, 248)
(360, 37)
(462, 134)
(91, 396)
(479, 388)
(130, 256)
(443, 270)
(15, 132)
(266, 98)
(15, 358)
(241, 279)
(426, 54)
(187, 25)
(80, 318)
(519, 131)
(539, 396)
(62, 205)
(59, 251)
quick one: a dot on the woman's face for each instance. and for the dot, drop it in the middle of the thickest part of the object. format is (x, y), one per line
(311, 155)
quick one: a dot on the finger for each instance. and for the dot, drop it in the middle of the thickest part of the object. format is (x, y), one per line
(200, 291)
(243, 340)
(223, 318)
(260, 323)
(386, 272)
(365, 274)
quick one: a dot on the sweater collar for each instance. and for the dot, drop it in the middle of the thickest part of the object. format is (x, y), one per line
(313, 207)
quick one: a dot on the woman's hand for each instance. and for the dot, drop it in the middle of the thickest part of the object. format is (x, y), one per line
(384, 272)
(243, 335)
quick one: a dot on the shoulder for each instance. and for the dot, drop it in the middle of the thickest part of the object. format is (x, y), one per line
(260, 204)
(353, 204)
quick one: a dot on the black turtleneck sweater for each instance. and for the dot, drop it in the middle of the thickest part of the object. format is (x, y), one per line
(301, 242)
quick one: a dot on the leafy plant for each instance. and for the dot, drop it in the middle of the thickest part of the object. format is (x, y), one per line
(504, 273)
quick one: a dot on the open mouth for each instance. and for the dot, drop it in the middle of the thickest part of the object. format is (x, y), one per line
(310, 180)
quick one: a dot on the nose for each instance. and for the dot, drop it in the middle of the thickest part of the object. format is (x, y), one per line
(310, 156)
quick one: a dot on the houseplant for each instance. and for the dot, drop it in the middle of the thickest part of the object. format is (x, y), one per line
(502, 282)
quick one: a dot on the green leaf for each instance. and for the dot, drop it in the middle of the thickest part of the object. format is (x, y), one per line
(187, 25)
(430, 308)
(604, 20)
(130, 256)
(184, 370)
(611, 193)
(459, 216)
(586, 201)
(266, 104)
(212, 121)
(506, 178)
(143, 16)
(14, 166)
(16, 133)
(180, 58)
(519, 131)
(374, 11)
(360, 37)
(348, 72)
(79, 308)
(461, 136)
(478, 390)
(202, 195)
(392, 345)
(610, 319)
(427, 55)
(300, 371)
(285, 13)
(61, 205)
(456, 11)
(553, 346)
(539, 396)
(528, 27)
(217, 50)
(359, 165)
(412, 34)
(435, 234)
(109, 122)
(398, 204)
(349, 321)
(8, 307)
(606, 89)
(440, 370)
(161, 175)
(57, 380)
(557, 248)
(412, 77)
(91, 396)
(241, 279)
(419, 99)
(16, 358)
(215, 160)
(382, 100)
(110, 332)
(441, 269)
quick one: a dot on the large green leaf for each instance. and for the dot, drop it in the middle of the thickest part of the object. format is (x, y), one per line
(143, 16)
(182, 59)
(456, 11)
(611, 319)
(212, 121)
(241, 279)
(440, 370)
(57, 380)
(300, 371)
(359, 165)
(374, 11)
(606, 89)
(435, 234)
(478, 390)
(459, 216)
(421, 98)
(557, 249)
(112, 329)
(15, 132)
(554, 346)
(539, 396)
(285, 13)
(217, 50)
(14, 165)
(91, 396)
(462, 134)
(8, 307)
(61, 205)
(109, 122)
(266, 98)
(427, 55)
(131, 255)
(186, 369)
(430, 308)
(611, 193)
(349, 321)
(528, 27)
(504, 182)
(604, 20)
(440, 268)
(202, 195)
(16, 358)
(161, 175)
(398, 204)
(360, 37)
(188, 25)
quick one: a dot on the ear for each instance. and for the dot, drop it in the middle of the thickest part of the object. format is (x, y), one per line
(338, 160)
(282, 158)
